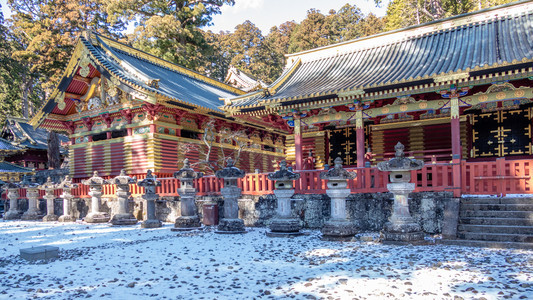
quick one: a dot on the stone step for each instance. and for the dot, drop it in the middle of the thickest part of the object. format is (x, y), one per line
(498, 237)
(496, 229)
(495, 214)
(497, 221)
(486, 244)
(514, 207)
(497, 200)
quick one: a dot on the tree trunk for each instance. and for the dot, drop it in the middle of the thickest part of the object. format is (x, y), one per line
(53, 151)
(25, 105)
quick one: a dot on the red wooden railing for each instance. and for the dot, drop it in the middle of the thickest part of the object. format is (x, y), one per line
(498, 177)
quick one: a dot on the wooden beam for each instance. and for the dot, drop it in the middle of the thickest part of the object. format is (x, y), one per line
(73, 96)
(82, 79)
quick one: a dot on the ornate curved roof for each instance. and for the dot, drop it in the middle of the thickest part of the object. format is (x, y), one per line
(146, 77)
(457, 48)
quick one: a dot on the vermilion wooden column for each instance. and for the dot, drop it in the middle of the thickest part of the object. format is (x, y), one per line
(130, 131)
(360, 139)
(456, 146)
(298, 143)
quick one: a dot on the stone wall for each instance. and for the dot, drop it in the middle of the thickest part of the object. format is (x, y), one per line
(368, 211)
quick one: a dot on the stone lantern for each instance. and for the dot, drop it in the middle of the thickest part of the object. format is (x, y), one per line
(66, 185)
(401, 226)
(149, 184)
(284, 224)
(95, 191)
(338, 226)
(230, 192)
(123, 216)
(13, 195)
(32, 193)
(189, 218)
(49, 187)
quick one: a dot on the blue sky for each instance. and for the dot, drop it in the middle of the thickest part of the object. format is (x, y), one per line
(267, 13)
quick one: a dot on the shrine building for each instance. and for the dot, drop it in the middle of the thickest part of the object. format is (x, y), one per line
(454, 90)
(34, 142)
(125, 109)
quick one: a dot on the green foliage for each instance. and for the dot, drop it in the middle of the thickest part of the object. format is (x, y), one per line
(169, 29)
(403, 13)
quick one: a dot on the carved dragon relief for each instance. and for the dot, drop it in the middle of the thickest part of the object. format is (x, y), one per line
(100, 94)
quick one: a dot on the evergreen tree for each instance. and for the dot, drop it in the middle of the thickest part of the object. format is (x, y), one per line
(169, 29)
(314, 31)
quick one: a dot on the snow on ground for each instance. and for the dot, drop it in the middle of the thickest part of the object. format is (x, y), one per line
(133, 263)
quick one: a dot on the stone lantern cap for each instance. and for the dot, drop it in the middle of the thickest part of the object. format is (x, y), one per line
(187, 173)
(66, 184)
(150, 180)
(95, 180)
(123, 179)
(12, 184)
(48, 185)
(337, 172)
(28, 182)
(283, 174)
(399, 162)
(230, 171)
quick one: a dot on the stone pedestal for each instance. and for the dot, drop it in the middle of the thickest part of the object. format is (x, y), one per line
(151, 220)
(33, 213)
(13, 194)
(284, 224)
(123, 216)
(189, 219)
(49, 188)
(96, 216)
(231, 222)
(231, 193)
(150, 183)
(95, 191)
(338, 227)
(67, 187)
(50, 216)
(401, 226)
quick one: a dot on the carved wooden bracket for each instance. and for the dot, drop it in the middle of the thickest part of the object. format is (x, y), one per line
(201, 120)
(127, 114)
(108, 119)
(71, 127)
(88, 123)
(178, 115)
(152, 110)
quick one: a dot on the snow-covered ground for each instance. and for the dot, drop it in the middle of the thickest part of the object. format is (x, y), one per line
(133, 263)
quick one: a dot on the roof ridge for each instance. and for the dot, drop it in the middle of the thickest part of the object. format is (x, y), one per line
(140, 54)
(416, 31)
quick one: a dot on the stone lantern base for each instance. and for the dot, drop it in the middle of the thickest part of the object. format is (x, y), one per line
(184, 223)
(98, 217)
(231, 226)
(12, 215)
(124, 219)
(65, 218)
(50, 218)
(151, 224)
(338, 230)
(281, 227)
(407, 232)
(31, 215)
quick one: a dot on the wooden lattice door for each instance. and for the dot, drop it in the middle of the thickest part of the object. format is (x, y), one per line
(501, 133)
